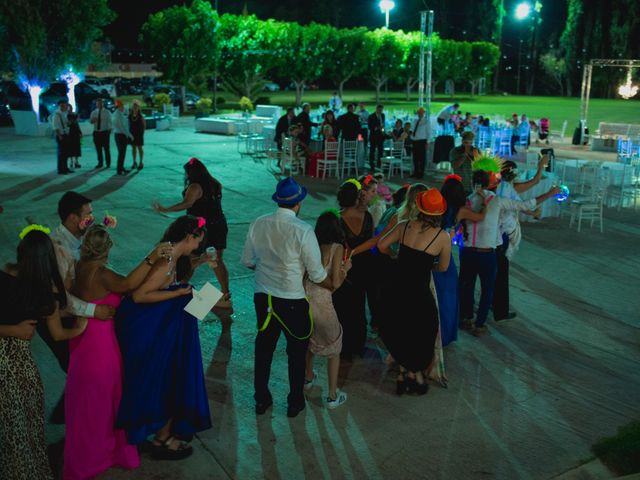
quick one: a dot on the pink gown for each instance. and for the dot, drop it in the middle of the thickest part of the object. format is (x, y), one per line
(92, 397)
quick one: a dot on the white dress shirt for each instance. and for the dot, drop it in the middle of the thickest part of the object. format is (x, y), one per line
(421, 129)
(60, 122)
(67, 248)
(105, 120)
(487, 234)
(120, 123)
(446, 112)
(281, 248)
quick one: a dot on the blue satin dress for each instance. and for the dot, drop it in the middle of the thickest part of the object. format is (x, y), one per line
(447, 290)
(163, 372)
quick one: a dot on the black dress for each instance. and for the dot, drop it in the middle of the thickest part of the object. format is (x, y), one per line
(209, 207)
(349, 299)
(136, 127)
(410, 327)
(73, 140)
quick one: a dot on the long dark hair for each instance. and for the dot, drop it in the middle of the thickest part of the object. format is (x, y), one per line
(196, 172)
(453, 193)
(328, 229)
(38, 274)
(178, 231)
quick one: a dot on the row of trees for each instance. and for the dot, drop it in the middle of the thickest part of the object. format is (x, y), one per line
(191, 42)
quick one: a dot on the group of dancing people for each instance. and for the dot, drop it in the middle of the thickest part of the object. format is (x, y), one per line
(130, 350)
(314, 285)
(132, 353)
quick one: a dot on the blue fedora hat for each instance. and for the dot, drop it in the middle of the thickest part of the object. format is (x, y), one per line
(289, 192)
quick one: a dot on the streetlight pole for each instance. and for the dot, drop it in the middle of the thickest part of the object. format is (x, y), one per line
(386, 6)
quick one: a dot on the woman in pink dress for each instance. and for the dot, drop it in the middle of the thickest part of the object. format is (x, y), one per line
(94, 379)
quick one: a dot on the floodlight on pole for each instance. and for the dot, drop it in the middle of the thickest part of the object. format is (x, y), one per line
(523, 10)
(386, 6)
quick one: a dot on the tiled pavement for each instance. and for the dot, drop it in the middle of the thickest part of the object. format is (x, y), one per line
(525, 402)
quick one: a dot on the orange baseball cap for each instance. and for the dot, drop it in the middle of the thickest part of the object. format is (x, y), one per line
(431, 202)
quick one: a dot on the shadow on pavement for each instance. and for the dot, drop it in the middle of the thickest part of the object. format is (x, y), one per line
(20, 189)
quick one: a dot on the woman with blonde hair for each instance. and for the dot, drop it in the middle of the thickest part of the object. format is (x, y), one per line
(94, 379)
(137, 127)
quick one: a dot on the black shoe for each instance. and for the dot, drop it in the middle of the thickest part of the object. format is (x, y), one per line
(261, 408)
(293, 412)
(401, 385)
(508, 316)
(417, 388)
(123, 172)
(98, 166)
(140, 166)
(163, 452)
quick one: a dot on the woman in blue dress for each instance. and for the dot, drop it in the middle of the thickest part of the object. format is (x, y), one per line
(447, 282)
(163, 389)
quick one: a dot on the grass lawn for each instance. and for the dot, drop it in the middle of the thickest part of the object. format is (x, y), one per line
(557, 109)
(621, 453)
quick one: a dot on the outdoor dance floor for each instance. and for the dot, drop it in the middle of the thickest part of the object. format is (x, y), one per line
(525, 402)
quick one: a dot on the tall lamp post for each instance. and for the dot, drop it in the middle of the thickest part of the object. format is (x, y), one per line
(386, 6)
(523, 10)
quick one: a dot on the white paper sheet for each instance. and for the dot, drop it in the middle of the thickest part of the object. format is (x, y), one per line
(203, 301)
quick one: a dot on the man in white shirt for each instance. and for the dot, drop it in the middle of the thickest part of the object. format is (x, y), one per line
(60, 126)
(510, 233)
(478, 256)
(420, 136)
(121, 135)
(281, 248)
(446, 113)
(101, 120)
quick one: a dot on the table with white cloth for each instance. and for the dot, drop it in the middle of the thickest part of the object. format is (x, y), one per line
(548, 208)
(613, 173)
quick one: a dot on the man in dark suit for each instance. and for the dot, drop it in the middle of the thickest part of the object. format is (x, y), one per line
(283, 125)
(304, 120)
(349, 124)
(376, 136)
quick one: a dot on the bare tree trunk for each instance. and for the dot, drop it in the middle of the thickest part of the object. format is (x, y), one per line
(341, 87)
(379, 84)
(473, 87)
(409, 87)
(299, 92)
(569, 86)
(183, 94)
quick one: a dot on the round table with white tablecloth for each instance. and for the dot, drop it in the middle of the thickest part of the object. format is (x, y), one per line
(550, 207)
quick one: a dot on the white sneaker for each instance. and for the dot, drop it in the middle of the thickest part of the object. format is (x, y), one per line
(308, 384)
(341, 397)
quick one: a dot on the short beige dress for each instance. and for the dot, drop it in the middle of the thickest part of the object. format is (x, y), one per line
(326, 340)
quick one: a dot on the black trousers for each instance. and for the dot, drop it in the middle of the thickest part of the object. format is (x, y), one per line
(376, 144)
(295, 315)
(102, 142)
(61, 152)
(419, 156)
(121, 143)
(500, 304)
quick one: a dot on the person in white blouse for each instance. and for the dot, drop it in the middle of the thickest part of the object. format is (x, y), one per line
(101, 120)
(281, 248)
(121, 135)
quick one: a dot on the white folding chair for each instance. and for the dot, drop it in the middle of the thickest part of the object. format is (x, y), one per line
(329, 161)
(588, 176)
(444, 167)
(589, 209)
(349, 157)
(394, 162)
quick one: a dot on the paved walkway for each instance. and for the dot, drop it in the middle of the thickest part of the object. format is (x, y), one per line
(525, 402)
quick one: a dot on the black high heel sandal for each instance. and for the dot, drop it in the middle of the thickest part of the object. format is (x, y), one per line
(418, 388)
(164, 452)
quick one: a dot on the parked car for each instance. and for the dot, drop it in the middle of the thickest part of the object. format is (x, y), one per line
(129, 86)
(85, 98)
(173, 92)
(271, 87)
(101, 85)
